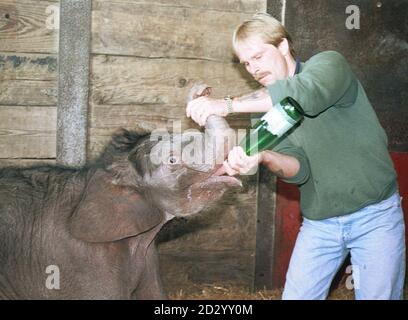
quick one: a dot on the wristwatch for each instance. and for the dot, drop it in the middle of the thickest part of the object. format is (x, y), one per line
(228, 101)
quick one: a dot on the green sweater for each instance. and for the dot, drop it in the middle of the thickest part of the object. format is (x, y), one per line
(343, 155)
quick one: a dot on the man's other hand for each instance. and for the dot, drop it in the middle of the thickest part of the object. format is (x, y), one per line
(239, 163)
(199, 109)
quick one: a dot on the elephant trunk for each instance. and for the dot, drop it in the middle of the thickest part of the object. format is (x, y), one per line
(219, 137)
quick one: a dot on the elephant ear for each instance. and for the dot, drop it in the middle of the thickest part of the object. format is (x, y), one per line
(108, 212)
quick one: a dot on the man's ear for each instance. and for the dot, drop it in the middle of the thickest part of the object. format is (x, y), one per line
(283, 47)
(108, 212)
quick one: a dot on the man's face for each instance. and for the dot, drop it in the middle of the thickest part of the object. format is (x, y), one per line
(263, 61)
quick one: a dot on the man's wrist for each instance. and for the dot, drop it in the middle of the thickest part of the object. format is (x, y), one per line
(265, 157)
(262, 157)
(228, 104)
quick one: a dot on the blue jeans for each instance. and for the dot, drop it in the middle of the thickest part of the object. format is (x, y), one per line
(375, 238)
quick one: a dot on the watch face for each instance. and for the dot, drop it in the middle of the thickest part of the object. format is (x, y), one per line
(228, 100)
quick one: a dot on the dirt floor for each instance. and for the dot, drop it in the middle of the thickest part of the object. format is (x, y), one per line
(223, 292)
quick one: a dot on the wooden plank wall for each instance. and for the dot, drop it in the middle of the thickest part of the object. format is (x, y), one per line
(28, 82)
(145, 56)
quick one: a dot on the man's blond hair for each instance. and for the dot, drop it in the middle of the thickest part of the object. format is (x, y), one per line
(267, 27)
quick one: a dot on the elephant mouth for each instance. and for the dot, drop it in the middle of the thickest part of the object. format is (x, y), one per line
(204, 194)
(219, 171)
(214, 185)
(218, 179)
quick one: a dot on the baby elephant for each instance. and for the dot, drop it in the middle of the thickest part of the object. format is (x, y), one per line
(89, 233)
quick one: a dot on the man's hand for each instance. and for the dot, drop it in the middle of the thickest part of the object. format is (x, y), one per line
(239, 163)
(199, 109)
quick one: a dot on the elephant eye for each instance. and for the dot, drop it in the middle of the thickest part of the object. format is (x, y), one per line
(172, 160)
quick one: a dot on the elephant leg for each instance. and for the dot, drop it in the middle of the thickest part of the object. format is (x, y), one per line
(150, 285)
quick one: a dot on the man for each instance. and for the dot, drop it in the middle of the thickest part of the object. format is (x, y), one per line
(338, 157)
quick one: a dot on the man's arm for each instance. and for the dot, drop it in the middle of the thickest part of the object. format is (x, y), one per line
(257, 101)
(282, 165)
(200, 108)
(326, 80)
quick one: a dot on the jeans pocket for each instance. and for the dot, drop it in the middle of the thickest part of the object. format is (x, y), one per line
(392, 202)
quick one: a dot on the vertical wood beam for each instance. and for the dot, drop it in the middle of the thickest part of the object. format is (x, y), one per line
(266, 203)
(265, 230)
(73, 59)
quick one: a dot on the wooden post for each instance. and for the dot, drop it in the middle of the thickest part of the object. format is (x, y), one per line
(265, 230)
(266, 204)
(73, 59)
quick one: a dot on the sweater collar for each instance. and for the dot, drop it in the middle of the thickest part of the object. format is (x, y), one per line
(298, 66)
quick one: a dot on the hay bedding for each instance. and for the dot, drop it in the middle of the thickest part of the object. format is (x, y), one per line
(223, 292)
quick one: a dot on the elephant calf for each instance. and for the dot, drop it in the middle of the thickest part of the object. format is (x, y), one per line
(96, 225)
